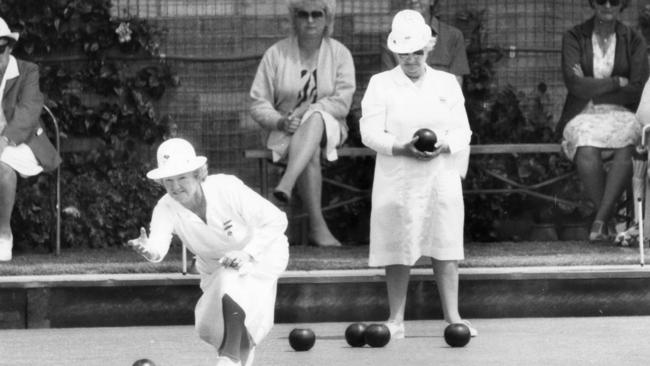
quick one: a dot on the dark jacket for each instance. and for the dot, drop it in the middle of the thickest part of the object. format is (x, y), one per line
(22, 103)
(630, 61)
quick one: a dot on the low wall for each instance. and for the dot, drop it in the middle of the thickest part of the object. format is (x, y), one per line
(132, 300)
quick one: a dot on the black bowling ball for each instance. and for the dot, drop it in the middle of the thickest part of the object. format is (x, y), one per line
(427, 139)
(144, 362)
(354, 335)
(457, 335)
(376, 335)
(302, 339)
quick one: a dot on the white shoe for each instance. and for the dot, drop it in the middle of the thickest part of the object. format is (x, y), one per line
(396, 330)
(472, 331)
(6, 245)
(227, 361)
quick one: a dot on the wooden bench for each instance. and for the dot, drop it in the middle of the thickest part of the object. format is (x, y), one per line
(263, 157)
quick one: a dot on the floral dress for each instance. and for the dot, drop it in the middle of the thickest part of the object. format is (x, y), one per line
(606, 126)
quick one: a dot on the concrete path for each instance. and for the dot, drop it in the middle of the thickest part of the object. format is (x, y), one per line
(502, 342)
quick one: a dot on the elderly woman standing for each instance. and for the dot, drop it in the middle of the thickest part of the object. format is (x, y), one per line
(302, 93)
(605, 65)
(417, 200)
(238, 239)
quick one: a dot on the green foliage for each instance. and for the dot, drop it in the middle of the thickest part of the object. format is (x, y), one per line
(505, 115)
(102, 78)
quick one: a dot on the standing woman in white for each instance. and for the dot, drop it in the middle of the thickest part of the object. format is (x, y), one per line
(417, 199)
(238, 239)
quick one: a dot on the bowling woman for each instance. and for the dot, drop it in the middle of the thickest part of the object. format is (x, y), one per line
(238, 239)
(417, 200)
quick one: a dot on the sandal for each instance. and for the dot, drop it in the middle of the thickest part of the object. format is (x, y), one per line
(597, 232)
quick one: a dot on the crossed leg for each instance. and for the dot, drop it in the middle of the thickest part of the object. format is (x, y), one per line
(304, 169)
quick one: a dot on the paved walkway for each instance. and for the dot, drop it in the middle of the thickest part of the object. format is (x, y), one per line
(502, 342)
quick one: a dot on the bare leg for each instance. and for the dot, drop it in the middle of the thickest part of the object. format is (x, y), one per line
(305, 142)
(310, 186)
(397, 282)
(592, 174)
(234, 329)
(618, 177)
(7, 198)
(446, 275)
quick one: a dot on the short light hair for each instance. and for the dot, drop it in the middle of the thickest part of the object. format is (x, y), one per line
(329, 7)
(201, 174)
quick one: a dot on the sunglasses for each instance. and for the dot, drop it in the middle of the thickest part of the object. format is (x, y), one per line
(416, 53)
(316, 14)
(3, 47)
(611, 2)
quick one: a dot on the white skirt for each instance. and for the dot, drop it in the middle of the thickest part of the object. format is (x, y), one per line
(278, 141)
(21, 159)
(253, 288)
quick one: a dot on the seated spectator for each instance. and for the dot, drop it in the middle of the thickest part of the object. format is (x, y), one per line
(24, 147)
(301, 94)
(449, 54)
(604, 64)
(238, 238)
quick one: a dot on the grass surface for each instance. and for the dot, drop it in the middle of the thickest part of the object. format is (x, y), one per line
(502, 254)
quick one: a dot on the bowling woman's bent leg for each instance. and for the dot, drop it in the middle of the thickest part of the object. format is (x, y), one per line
(208, 314)
(234, 329)
(446, 275)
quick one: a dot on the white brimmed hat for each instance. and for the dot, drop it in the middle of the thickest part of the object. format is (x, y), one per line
(409, 32)
(176, 156)
(6, 32)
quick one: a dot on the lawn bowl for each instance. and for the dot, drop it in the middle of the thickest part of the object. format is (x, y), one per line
(302, 339)
(426, 141)
(354, 335)
(144, 362)
(376, 335)
(457, 335)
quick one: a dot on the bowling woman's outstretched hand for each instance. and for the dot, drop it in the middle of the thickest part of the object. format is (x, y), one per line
(140, 245)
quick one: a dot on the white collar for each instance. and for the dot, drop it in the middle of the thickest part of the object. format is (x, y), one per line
(12, 69)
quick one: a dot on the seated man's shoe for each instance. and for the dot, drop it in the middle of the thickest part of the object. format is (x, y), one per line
(6, 246)
(396, 330)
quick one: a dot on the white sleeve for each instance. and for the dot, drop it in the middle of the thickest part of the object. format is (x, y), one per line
(459, 134)
(643, 112)
(160, 235)
(372, 124)
(266, 223)
(262, 92)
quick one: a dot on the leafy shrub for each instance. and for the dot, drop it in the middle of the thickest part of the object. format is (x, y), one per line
(102, 78)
